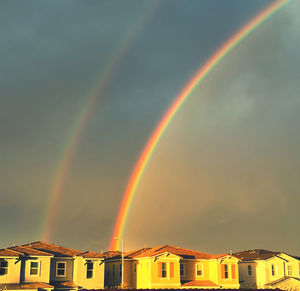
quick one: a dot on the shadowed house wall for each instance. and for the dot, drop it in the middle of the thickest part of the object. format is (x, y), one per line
(68, 273)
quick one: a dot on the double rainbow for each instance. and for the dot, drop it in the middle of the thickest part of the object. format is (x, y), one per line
(162, 126)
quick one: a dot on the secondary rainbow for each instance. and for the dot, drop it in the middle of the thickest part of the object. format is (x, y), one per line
(162, 126)
(93, 97)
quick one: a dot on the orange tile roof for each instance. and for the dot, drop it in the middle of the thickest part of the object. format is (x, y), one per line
(56, 250)
(33, 285)
(204, 283)
(91, 255)
(29, 251)
(64, 284)
(9, 253)
(183, 253)
(110, 254)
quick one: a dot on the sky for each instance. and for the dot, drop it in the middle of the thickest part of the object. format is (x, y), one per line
(225, 175)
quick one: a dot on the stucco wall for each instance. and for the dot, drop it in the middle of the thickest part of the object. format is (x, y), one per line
(229, 282)
(80, 273)
(69, 269)
(43, 272)
(168, 282)
(13, 275)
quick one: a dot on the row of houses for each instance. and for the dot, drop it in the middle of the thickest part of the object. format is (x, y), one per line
(43, 266)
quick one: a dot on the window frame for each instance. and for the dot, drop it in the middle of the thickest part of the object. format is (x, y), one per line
(34, 268)
(274, 270)
(57, 268)
(162, 270)
(183, 269)
(249, 270)
(201, 269)
(89, 270)
(290, 268)
(5, 268)
(226, 271)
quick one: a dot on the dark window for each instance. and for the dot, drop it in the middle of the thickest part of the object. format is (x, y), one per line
(89, 269)
(249, 270)
(164, 270)
(226, 271)
(199, 269)
(181, 269)
(3, 268)
(61, 269)
(34, 268)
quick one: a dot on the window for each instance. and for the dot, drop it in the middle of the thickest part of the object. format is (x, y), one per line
(274, 270)
(163, 270)
(61, 269)
(114, 270)
(34, 268)
(3, 268)
(120, 270)
(290, 270)
(249, 270)
(134, 268)
(89, 269)
(199, 270)
(182, 271)
(225, 271)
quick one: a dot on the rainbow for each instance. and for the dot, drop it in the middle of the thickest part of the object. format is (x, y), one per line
(73, 139)
(162, 126)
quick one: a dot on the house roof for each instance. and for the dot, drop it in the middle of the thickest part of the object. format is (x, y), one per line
(256, 254)
(203, 283)
(57, 251)
(32, 285)
(280, 280)
(110, 254)
(91, 255)
(29, 251)
(9, 253)
(183, 253)
(64, 284)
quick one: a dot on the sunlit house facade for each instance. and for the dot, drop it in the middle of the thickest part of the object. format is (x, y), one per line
(44, 266)
(172, 267)
(267, 269)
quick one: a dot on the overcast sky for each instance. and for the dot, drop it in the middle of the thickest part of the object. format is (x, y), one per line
(225, 176)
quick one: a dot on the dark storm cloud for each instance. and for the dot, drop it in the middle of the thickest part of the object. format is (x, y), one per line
(52, 55)
(226, 174)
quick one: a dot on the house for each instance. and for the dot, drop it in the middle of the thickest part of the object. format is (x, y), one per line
(72, 269)
(171, 267)
(24, 268)
(260, 268)
(44, 266)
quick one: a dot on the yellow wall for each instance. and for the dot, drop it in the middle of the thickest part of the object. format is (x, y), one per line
(229, 282)
(44, 270)
(262, 271)
(168, 282)
(13, 275)
(80, 273)
(190, 270)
